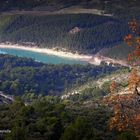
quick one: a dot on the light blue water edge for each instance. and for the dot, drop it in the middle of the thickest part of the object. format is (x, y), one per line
(40, 57)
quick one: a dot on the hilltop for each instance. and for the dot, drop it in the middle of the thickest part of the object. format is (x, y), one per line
(101, 25)
(53, 31)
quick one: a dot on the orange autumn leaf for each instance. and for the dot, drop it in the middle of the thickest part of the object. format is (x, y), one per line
(127, 107)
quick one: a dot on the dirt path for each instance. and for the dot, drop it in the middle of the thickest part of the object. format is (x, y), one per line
(70, 10)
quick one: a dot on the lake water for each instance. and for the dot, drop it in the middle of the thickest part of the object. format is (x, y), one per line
(44, 58)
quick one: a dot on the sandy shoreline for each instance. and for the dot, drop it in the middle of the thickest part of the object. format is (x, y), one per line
(91, 59)
(68, 55)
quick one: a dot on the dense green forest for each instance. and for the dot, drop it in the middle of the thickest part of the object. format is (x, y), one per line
(96, 32)
(120, 52)
(50, 118)
(20, 75)
(41, 117)
(38, 111)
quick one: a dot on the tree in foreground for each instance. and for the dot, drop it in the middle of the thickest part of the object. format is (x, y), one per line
(127, 106)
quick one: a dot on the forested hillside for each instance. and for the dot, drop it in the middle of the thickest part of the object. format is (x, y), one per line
(94, 32)
(50, 118)
(19, 76)
(83, 33)
(70, 102)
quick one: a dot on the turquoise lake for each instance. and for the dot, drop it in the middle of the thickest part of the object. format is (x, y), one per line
(44, 58)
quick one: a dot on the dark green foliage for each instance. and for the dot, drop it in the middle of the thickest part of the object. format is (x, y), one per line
(19, 76)
(47, 120)
(17, 134)
(127, 136)
(89, 94)
(75, 131)
(4, 116)
(96, 32)
(120, 51)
